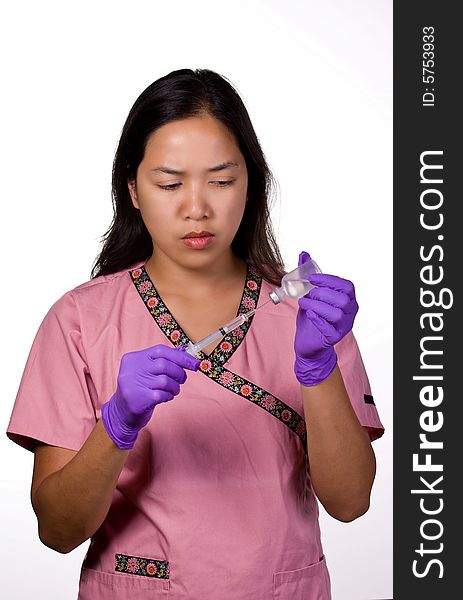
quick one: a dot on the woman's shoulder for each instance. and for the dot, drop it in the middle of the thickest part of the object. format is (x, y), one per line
(106, 281)
(99, 293)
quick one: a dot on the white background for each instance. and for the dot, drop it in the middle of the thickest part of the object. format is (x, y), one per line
(316, 78)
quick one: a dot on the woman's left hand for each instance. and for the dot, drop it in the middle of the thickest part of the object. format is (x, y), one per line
(326, 314)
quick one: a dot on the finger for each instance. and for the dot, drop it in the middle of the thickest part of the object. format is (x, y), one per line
(303, 257)
(332, 314)
(327, 330)
(161, 366)
(334, 282)
(164, 383)
(339, 299)
(161, 396)
(179, 357)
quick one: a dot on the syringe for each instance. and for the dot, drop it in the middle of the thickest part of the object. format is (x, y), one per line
(193, 349)
(294, 285)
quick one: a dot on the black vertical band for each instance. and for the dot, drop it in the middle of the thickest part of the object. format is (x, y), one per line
(427, 304)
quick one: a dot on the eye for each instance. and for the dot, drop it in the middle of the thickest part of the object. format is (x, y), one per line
(174, 186)
(169, 186)
(223, 183)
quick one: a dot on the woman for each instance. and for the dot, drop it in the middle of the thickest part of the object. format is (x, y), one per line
(195, 478)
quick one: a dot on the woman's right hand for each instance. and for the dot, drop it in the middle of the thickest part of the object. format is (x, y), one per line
(146, 378)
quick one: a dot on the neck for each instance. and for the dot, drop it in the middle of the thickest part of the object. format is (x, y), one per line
(195, 282)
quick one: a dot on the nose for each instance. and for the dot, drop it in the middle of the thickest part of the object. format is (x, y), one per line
(195, 205)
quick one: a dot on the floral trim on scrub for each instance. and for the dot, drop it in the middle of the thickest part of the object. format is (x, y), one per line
(213, 365)
(257, 395)
(147, 567)
(175, 333)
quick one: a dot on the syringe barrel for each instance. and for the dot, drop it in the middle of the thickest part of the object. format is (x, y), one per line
(193, 349)
(234, 323)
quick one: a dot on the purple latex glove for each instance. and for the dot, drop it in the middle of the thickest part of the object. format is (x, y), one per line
(146, 378)
(324, 317)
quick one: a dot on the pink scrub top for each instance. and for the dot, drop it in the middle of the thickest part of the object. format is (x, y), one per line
(214, 500)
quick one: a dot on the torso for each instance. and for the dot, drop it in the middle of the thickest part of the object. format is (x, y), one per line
(211, 449)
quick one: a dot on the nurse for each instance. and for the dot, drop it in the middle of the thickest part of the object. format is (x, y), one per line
(195, 478)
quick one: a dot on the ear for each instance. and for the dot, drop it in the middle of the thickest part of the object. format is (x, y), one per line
(133, 193)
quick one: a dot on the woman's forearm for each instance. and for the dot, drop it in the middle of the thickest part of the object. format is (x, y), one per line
(71, 503)
(341, 460)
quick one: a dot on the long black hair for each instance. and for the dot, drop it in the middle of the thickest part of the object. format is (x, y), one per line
(181, 94)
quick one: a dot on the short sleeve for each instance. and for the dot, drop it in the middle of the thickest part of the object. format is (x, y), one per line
(54, 401)
(358, 386)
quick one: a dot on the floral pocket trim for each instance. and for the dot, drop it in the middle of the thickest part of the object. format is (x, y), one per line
(146, 567)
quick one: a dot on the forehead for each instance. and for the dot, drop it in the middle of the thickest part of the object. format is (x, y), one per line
(200, 137)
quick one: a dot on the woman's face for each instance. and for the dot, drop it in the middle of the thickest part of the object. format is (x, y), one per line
(192, 178)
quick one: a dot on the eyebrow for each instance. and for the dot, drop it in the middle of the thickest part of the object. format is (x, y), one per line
(220, 167)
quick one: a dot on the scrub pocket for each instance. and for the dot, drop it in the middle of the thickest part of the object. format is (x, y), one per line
(309, 583)
(98, 585)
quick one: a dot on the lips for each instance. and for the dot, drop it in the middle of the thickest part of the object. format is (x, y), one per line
(197, 234)
(198, 240)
